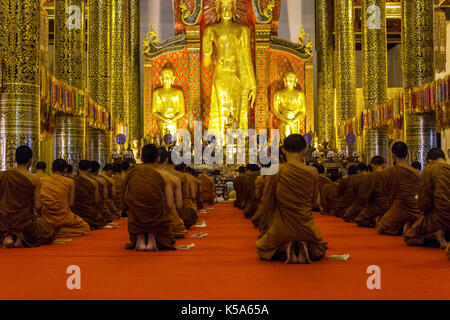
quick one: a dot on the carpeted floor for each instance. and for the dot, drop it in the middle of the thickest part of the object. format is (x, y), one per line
(225, 266)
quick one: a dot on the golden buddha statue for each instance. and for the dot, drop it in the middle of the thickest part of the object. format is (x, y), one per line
(234, 83)
(289, 106)
(168, 104)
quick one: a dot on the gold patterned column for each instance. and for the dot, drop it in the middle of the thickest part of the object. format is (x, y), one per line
(374, 65)
(325, 70)
(418, 69)
(98, 141)
(19, 91)
(134, 91)
(119, 58)
(69, 67)
(345, 65)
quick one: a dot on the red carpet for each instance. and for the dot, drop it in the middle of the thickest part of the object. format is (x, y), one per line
(225, 266)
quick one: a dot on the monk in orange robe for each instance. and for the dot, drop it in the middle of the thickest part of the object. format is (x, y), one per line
(58, 194)
(87, 197)
(359, 184)
(110, 182)
(434, 200)
(104, 192)
(251, 202)
(292, 233)
(148, 198)
(20, 199)
(346, 191)
(41, 167)
(188, 213)
(237, 185)
(332, 203)
(207, 188)
(377, 201)
(178, 227)
(118, 180)
(401, 183)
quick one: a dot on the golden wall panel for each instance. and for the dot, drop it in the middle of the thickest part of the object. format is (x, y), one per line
(134, 91)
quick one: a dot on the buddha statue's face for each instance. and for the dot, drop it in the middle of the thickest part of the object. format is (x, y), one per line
(167, 78)
(226, 10)
(290, 80)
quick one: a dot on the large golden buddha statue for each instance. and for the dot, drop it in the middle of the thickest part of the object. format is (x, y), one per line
(234, 84)
(168, 104)
(289, 106)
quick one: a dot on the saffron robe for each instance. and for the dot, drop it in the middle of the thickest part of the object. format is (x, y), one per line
(259, 190)
(323, 181)
(117, 196)
(332, 203)
(187, 213)
(291, 202)
(207, 189)
(145, 199)
(359, 184)
(110, 202)
(17, 216)
(263, 215)
(346, 192)
(251, 203)
(56, 210)
(85, 206)
(102, 206)
(434, 200)
(402, 185)
(237, 185)
(377, 202)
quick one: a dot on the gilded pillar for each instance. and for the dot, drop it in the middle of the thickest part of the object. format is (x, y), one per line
(98, 141)
(374, 65)
(19, 88)
(69, 67)
(345, 65)
(134, 91)
(118, 97)
(418, 69)
(325, 70)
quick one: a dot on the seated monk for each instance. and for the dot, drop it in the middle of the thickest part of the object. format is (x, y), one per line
(20, 198)
(68, 172)
(345, 190)
(87, 197)
(207, 188)
(118, 181)
(323, 181)
(332, 203)
(147, 196)
(58, 195)
(188, 213)
(377, 201)
(401, 184)
(125, 169)
(237, 185)
(251, 203)
(191, 196)
(359, 185)
(434, 201)
(178, 228)
(41, 167)
(102, 206)
(107, 176)
(292, 230)
(259, 189)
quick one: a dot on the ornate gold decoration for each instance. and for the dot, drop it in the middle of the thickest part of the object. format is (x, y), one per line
(325, 72)
(418, 70)
(19, 97)
(374, 63)
(263, 15)
(346, 65)
(189, 17)
(134, 74)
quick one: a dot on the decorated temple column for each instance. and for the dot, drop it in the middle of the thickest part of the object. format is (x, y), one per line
(98, 141)
(345, 66)
(70, 131)
(134, 91)
(119, 58)
(374, 64)
(418, 69)
(19, 86)
(325, 71)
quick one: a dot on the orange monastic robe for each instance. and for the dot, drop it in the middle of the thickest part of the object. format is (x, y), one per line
(207, 188)
(332, 203)
(56, 210)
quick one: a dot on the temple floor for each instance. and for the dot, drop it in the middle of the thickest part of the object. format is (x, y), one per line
(224, 265)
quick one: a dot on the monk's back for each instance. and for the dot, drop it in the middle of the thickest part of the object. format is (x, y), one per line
(440, 177)
(16, 200)
(55, 194)
(405, 187)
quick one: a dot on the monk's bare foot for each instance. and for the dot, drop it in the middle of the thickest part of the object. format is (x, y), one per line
(151, 243)
(440, 237)
(291, 258)
(18, 243)
(303, 255)
(8, 242)
(140, 242)
(406, 228)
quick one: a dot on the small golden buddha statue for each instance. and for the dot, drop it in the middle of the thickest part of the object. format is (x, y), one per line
(234, 82)
(289, 106)
(168, 104)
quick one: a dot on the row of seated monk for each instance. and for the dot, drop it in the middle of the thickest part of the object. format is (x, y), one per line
(399, 200)
(161, 200)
